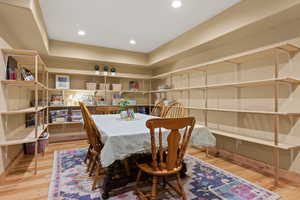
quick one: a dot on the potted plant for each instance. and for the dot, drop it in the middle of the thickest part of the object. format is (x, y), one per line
(123, 103)
(97, 68)
(106, 69)
(113, 71)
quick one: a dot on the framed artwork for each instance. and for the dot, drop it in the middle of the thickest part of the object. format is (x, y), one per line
(62, 82)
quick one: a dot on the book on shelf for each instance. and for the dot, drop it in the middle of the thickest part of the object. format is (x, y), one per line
(11, 68)
(57, 116)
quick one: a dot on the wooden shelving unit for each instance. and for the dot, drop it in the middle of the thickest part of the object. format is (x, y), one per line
(74, 130)
(20, 135)
(237, 60)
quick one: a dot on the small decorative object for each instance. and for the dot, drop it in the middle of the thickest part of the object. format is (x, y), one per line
(133, 85)
(116, 87)
(26, 75)
(91, 86)
(106, 70)
(57, 100)
(113, 71)
(97, 68)
(11, 69)
(164, 87)
(123, 103)
(62, 82)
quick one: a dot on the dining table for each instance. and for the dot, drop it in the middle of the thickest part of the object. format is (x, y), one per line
(123, 138)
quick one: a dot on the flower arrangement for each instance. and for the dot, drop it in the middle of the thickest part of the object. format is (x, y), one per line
(123, 103)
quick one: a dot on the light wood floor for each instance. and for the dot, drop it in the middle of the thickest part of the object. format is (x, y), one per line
(22, 184)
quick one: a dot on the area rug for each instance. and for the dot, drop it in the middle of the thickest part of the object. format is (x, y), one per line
(204, 182)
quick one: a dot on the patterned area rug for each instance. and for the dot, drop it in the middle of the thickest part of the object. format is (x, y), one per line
(204, 182)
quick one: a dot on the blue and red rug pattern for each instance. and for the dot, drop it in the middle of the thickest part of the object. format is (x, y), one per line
(204, 182)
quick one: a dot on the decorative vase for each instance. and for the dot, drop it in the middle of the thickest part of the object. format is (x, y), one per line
(123, 114)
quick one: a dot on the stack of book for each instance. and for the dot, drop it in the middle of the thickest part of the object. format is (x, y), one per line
(57, 116)
(76, 115)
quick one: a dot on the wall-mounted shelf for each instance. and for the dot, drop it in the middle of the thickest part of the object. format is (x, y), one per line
(237, 58)
(12, 135)
(63, 123)
(25, 110)
(235, 64)
(22, 83)
(288, 114)
(271, 81)
(25, 135)
(254, 140)
(100, 74)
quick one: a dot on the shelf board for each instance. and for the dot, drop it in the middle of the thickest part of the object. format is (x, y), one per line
(169, 90)
(62, 123)
(282, 46)
(24, 135)
(66, 106)
(93, 73)
(108, 91)
(247, 111)
(23, 83)
(20, 52)
(26, 110)
(254, 140)
(240, 84)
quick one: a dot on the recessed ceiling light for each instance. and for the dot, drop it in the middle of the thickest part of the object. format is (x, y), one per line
(176, 4)
(132, 42)
(81, 32)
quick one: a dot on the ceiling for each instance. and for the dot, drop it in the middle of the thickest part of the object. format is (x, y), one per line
(113, 23)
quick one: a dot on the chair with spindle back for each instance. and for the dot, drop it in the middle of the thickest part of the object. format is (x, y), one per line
(175, 110)
(104, 110)
(158, 109)
(95, 141)
(166, 160)
(88, 154)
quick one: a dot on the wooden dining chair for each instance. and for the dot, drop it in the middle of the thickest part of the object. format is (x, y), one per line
(104, 110)
(88, 154)
(168, 160)
(158, 109)
(175, 110)
(94, 136)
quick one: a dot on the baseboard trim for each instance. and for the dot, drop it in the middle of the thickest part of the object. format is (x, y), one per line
(10, 166)
(259, 166)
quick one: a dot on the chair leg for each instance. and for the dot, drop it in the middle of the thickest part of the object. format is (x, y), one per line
(90, 161)
(138, 179)
(180, 186)
(154, 188)
(88, 154)
(93, 166)
(96, 178)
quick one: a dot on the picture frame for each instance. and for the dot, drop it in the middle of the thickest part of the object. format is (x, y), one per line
(62, 82)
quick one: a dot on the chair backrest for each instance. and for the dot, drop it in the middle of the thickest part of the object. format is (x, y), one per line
(177, 141)
(158, 109)
(175, 110)
(94, 136)
(105, 110)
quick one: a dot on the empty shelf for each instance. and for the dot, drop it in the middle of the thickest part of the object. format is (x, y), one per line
(254, 140)
(25, 135)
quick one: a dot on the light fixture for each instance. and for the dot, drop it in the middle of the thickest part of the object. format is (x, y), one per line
(176, 4)
(133, 42)
(81, 33)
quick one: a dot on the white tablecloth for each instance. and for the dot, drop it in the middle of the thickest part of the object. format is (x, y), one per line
(123, 138)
